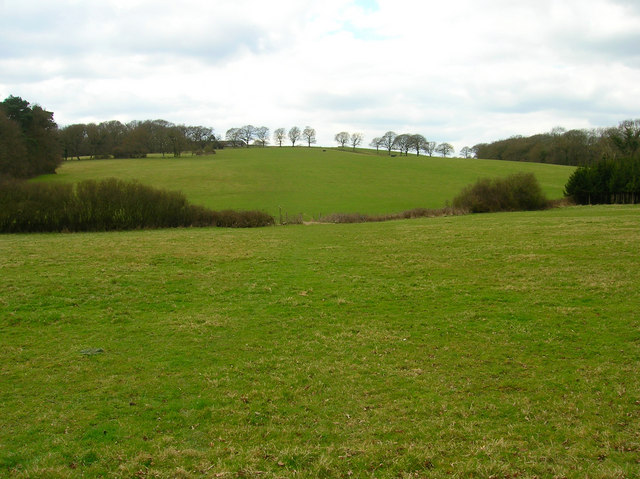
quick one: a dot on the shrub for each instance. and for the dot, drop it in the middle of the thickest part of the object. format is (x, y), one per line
(109, 204)
(517, 192)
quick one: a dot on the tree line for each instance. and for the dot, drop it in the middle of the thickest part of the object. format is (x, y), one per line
(562, 147)
(31, 143)
(135, 139)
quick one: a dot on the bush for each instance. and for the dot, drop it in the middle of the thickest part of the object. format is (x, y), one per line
(517, 192)
(105, 205)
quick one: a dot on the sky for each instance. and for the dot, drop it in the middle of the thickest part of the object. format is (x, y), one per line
(458, 71)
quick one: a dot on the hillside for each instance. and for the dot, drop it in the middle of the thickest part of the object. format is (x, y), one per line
(312, 181)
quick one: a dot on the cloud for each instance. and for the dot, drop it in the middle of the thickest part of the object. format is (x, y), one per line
(460, 71)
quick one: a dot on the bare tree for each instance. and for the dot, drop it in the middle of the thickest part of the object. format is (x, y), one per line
(200, 136)
(466, 152)
(356, 139)
(233, 136)
(262, 135)
(430, 147)
(178, 139)
(280, 135)
(73, 137)
(309, 134)
(387, 140)
(294, 135)
(402, 143)
(417, 143)
(376, 143)
(445, 149)
(159, 137)
(342, 138)
(247, 133)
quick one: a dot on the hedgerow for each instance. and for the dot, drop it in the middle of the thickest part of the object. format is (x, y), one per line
(105, 205)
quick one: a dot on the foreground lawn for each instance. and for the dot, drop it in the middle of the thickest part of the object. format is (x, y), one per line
(312, 181)
(502, 345)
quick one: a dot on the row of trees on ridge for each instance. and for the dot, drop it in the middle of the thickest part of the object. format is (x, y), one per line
(135, 139)
(572, 147)
(249, 134)
(410, 142)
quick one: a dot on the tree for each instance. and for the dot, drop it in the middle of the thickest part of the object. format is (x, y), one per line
(626, 137)
(280, 135)
(294, 135)
(309, 134)
(356, 139)
(445, 149)
(387, 140)
(262, 135)
(417, 143)
(96, 140)
(73, 139)
(430, 147)
(342, 138)
(200, 137)
(13, 152)
(38, 134)
(135, 143)
(402, 143)
(466, 152)
(376, 143)
(233, 137)
(178, 139)
(159, 135)
(113, 132)
(247, 133)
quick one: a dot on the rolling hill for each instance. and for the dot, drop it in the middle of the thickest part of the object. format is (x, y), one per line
(311, 181)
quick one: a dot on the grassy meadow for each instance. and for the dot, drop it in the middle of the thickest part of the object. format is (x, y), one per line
(498, 345)
(493, 345)
(312, 181)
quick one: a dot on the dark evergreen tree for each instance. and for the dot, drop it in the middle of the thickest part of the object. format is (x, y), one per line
(33, 128)
(606, 182)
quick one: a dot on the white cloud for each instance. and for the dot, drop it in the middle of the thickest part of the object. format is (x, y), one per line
(459, 71)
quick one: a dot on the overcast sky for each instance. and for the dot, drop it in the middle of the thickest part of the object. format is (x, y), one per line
(462, 71)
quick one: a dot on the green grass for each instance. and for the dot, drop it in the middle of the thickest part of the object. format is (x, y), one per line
(312, 181)
(503, 345)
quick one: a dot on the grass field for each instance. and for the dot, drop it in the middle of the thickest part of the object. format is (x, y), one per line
(312, 181)
(503, 345)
